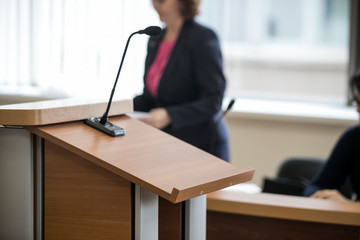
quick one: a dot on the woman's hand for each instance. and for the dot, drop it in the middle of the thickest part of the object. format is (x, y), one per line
(329, 194)
(159, 118)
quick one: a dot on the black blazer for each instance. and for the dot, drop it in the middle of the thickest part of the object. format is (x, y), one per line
(191, 88)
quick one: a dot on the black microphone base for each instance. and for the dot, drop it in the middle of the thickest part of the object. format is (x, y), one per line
(107, 128)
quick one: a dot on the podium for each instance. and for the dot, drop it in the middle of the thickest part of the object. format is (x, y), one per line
(61, 179)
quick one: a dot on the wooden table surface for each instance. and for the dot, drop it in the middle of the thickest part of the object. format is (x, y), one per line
(59, 110)
(285, 207)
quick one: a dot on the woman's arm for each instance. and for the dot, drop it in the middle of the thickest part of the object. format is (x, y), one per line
(336, 170)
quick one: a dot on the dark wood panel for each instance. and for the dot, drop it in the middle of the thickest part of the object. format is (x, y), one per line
(83, 200)
(170, 220)
(226, 226)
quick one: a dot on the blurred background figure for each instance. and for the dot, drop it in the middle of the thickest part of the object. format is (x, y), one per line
(184, 82)
(344, 162)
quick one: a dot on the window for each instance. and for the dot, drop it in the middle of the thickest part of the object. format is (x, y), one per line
(72, 47)
(280, 49)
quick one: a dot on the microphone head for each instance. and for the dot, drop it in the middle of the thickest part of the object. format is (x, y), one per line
(151, 31)
(231, 103)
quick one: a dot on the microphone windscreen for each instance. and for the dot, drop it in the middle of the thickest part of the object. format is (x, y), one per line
(152, 30)
(231, 103)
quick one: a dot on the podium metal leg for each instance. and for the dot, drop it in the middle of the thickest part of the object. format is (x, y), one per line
(146, 214)
(16, 184)
(195, 218)
(39, 184)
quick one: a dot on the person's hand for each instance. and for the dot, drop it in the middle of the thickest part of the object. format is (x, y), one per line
(329, 194)
(159, 118)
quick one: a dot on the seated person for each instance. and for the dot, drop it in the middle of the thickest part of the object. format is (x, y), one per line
(344, 161)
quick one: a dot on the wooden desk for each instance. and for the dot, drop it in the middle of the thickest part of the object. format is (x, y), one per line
(236, 215)
(59, 111)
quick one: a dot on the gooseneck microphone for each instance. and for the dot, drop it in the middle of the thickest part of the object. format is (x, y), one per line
(102, 124)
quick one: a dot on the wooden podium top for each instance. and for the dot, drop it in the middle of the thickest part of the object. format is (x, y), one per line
(148, 157)
(58, 111)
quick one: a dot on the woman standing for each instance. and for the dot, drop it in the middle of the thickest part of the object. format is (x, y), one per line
(184, 82)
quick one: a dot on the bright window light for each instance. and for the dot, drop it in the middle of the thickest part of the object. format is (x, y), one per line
(277, 49)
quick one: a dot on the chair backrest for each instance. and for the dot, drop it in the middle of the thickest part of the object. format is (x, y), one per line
(300, 168)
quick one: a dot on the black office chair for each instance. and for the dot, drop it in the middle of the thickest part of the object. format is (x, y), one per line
(295, 174)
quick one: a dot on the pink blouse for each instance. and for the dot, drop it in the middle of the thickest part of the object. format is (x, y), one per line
(157, 67)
